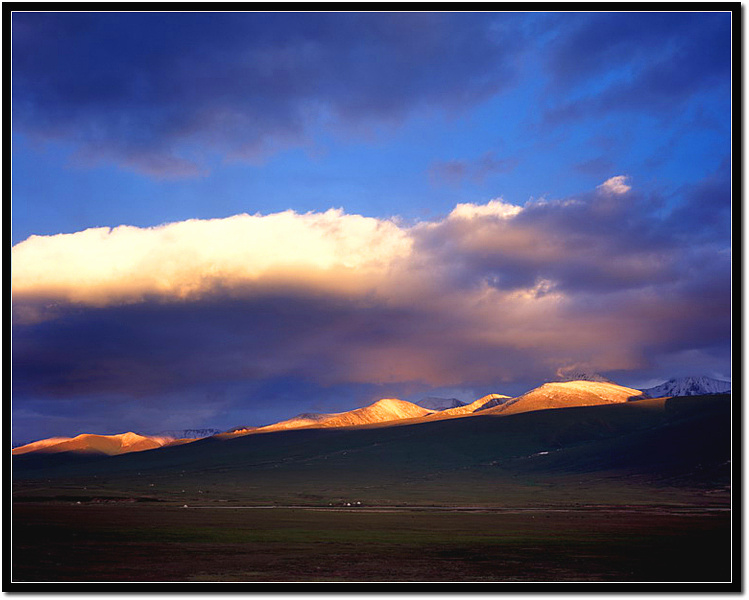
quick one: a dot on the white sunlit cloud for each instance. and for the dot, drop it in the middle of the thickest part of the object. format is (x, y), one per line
(330, 252)
(104, 266)
(616, 185)
(493, 208)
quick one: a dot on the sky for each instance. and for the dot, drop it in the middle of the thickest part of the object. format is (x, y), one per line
(227, 219)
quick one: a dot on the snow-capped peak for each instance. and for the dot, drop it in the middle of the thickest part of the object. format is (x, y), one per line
(689, 386)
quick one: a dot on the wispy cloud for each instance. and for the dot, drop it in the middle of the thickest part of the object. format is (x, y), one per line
(455, 172)
(627, 62)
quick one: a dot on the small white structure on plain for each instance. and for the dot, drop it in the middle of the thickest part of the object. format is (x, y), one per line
(184, 506)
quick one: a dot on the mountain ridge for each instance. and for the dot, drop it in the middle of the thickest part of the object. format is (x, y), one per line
(384, 412)
(677, 441)
(689, 386)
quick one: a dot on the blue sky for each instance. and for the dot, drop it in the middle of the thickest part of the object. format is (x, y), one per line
(598, 145)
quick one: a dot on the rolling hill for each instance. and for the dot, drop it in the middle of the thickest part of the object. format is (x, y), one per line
(667, 450)
(387, 410)
(567, 394)
(88, 443)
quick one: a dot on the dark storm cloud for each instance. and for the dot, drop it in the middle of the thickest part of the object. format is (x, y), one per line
(153, 347)
(156, 348)
(158, 92)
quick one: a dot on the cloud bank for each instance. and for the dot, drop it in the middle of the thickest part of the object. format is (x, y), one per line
(490, 293)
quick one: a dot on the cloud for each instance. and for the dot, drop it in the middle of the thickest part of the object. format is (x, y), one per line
(454, 172)
(493, 208)
(161, 93)
(186, 260)
(615, 185)
(630, 62)
(595, 166)
(704, 209)
(490, 293)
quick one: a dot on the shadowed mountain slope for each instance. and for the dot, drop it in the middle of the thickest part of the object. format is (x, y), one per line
(486, 458)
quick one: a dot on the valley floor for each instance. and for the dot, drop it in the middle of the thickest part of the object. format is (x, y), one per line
(146, 542)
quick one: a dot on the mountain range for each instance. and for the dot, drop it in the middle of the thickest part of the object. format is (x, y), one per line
(656, 451)
(387, 412)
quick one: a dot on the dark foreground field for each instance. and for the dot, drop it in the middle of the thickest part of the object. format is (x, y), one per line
(143, 542)
(635, 492)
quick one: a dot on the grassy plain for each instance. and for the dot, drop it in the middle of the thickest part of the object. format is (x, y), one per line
(143, 542)
(631, 492)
